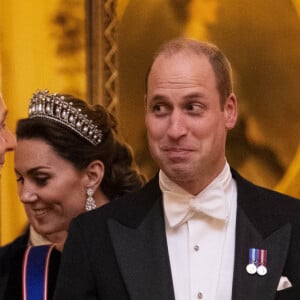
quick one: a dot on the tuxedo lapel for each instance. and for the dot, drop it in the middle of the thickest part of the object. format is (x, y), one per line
(142, 256)
(257, 287)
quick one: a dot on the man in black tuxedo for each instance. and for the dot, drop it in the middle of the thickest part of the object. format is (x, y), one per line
(198, 230)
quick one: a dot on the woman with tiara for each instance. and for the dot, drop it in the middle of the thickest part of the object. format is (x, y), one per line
(69, 159)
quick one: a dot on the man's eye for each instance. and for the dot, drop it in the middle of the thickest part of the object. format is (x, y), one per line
(195, 108)
(159, 109)
(156, 107)
(190, 106)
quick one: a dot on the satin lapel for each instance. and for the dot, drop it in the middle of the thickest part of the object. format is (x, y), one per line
(246, 286)
(143, 258)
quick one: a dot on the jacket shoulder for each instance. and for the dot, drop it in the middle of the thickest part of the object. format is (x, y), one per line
(129, 209)
(9, 251)
(267, 209)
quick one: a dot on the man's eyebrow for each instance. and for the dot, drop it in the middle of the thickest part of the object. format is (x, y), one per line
(194, 95)
(158, 97)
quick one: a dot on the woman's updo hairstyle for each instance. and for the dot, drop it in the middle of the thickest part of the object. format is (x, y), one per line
(121, 174)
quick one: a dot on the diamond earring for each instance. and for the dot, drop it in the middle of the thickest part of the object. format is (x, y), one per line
(90, 201)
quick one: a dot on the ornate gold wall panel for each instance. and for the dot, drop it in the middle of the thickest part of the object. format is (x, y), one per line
(102, 53)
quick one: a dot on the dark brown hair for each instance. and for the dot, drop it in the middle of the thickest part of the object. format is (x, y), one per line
(121, 174)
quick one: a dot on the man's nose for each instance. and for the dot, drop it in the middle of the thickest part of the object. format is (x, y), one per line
(177, 126)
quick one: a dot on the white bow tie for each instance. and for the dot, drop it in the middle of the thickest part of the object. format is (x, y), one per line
(180, 207)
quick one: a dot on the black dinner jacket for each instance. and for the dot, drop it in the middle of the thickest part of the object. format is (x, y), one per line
(11, 255)
(11, 261)
(120, 251)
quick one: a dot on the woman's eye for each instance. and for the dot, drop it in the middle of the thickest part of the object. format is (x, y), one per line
(41, 180)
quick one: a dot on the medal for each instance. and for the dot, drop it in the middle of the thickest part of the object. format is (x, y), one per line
(262, 262)
(262, 270)
(251, 269)
(253, 255)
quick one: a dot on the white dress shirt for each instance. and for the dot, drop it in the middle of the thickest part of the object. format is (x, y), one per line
(201, 244)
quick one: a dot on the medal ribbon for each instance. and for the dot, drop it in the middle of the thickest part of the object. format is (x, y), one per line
(35, 272)
(253, 256)
(262, 258)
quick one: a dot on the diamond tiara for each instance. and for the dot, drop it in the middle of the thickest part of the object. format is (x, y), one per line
(53, 107)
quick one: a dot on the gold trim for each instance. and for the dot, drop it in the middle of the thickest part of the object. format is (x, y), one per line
(102, 53)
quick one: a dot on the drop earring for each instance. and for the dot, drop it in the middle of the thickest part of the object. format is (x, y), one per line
(90, 201)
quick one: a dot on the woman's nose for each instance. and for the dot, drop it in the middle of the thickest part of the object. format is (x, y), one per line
(28, 197)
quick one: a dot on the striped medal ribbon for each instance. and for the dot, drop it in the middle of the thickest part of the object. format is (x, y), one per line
(35, 272)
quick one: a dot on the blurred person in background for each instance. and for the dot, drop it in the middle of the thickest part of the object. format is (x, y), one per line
(7, 138)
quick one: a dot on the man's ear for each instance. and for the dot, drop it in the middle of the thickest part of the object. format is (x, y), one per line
(230, 111)
(94, 174)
